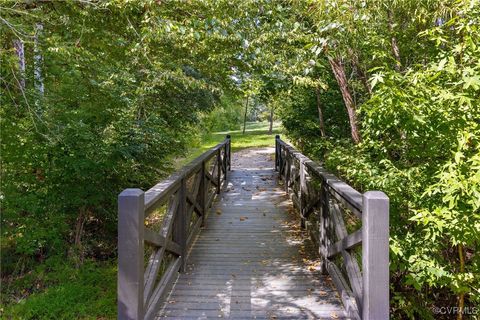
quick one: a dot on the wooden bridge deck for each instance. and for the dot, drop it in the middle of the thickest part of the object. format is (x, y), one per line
(251, 260)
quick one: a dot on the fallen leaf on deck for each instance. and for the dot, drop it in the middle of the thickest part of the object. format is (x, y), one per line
(312, 268)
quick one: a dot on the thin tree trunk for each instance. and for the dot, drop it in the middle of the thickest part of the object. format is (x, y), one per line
(37, 65)
(270, 130)
(394, 44)
(339, 72)
(320, 113)
(20, 50)
(76, 251)
(360, 72)
(245, 116)
(79, 226)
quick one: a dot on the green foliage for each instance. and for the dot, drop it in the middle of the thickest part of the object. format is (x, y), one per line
(299, 113)
(420, 146)
(110, 116)
(123, 95)
(224, 117)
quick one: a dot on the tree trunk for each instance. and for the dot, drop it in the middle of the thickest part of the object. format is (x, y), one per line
(37, 65)
(270, 130)
(320, 113)
(20, 50)
(245, 116)
(76, 251)
(360, 72)
(339, 72)
(394, 44)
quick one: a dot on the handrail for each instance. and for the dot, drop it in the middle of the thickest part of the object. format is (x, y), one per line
(187, 195)
(351, 197)
(365, 291)
(155, 194)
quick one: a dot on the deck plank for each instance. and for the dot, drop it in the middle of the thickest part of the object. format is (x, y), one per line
(251, 260)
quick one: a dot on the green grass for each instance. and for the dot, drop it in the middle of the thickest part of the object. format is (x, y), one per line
(66, 292)
(256, 135)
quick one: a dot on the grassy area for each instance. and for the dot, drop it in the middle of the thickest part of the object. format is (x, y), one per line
(58, 290)
(256, 135)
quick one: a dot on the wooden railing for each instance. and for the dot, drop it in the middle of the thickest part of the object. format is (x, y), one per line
(156, 228)
(347, 226)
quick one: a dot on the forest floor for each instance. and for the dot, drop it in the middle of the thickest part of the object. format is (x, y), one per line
(63, 289)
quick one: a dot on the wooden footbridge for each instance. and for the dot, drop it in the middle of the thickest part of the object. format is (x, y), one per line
(274, 236)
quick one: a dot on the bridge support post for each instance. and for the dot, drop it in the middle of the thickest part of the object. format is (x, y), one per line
(219, 170)
(131, 212)
(180, 231)
(203, 192)
(375, 251)
(229, 154)
(302, 193)
(324, 226)
(288, 168)
(277, 153)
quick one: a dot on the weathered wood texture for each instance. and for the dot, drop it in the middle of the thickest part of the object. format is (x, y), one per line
(164, 220)
(252, 260)
(339, 220)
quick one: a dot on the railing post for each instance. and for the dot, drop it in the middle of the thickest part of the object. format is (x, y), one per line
(288, 169)
(302, 193)
(225, 159)
(277, 163)
(203, 192)
(131, 212)
(324, 225)
(375, 251)
(180, 231)
(219, 170)
(229, 153)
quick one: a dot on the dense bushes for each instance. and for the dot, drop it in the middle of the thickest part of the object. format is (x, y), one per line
(226, 116)
(108, 117)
